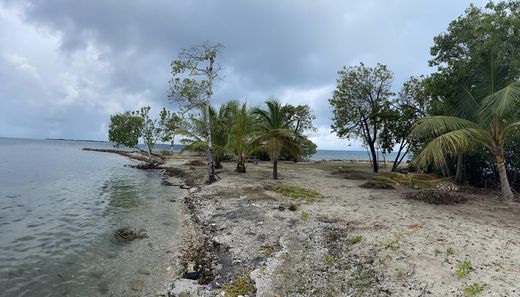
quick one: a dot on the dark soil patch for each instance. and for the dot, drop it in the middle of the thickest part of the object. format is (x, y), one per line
(354, 174)
(196, 163)
(436, 197)
(374, 184)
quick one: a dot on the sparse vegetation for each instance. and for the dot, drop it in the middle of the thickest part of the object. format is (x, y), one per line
(376, 184)
(305, 216)
(355, 239)
(242, 285)
(450, 251)
(393, 243)
(294, 192)
(463, 268)
(474, 289)
(329, 259)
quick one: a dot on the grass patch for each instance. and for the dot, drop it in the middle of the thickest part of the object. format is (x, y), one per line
(463, 268)
(329, 259)
(305, 216)
(355, 239)
(474, 289)
(242, 285)
(414, 180)
(294, 192)
(436, 197)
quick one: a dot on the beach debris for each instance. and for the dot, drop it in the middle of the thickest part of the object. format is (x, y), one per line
(375, 184)
(193, 275)
(436, 197)
(129, 234)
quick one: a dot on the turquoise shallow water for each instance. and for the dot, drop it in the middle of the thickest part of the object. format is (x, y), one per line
(59, 206)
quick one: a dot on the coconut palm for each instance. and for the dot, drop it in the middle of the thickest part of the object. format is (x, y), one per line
(197, 138)
(493, 125)
(273, 133)
(240, 135)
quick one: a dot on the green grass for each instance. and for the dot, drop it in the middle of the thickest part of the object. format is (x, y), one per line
(305, 216)
(329, 259)
(450, 251)
(463, 268)
(355, 239)
(294, 192)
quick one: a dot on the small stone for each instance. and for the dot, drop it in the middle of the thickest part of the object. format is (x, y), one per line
(183, 294)
(137, 285)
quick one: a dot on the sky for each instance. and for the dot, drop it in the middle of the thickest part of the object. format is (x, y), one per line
(65, 66)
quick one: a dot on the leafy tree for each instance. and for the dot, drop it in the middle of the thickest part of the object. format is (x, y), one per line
(300, 119)
(496, 123)
(194, 73)
(399, 117)
(274, 133)
(358, 102)
(126, 128)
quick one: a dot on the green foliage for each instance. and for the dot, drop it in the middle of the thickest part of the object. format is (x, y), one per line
(305, 216)
(450, 251)
(355, 239)
(463, 268)
(125, 129)
(359, 101)
(294, 192)
(329, 259)
(474, 289)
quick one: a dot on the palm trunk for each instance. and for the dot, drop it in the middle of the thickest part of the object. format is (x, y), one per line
(507, 194)
(275, 169)
(241, 167)
(459, 174)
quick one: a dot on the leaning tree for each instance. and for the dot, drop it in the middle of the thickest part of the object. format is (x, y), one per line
(191, 86)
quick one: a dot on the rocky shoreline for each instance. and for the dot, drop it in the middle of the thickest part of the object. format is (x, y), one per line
(240, 237)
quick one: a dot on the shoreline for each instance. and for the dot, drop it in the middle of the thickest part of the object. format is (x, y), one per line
(239, 237)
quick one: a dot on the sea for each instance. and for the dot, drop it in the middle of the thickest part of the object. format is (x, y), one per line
(59, 208)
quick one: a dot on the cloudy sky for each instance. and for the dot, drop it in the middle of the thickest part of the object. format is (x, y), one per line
(65, 66)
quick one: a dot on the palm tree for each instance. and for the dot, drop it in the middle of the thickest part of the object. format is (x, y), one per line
(240, 135)
(197, 138)
(273, 133)
(495, 122)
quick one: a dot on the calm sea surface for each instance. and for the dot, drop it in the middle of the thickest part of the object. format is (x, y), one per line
(59, 207)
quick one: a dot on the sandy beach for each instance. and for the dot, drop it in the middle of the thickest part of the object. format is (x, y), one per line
(247, 240)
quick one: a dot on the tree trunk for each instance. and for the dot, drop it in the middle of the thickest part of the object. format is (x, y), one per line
(375, 165)
(241, 167)
(507, 194)
(459, 174)
(397, 159)
(211, 167)
(275, 169)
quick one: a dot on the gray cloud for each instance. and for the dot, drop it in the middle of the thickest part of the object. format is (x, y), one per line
(66, 65)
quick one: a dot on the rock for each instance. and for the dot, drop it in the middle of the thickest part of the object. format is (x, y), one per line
(193, 275)
(129, 234)
(183, 294)
(137, 285)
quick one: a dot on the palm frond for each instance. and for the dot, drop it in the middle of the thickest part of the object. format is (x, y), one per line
(502, 102)
(450, 143)
(508, 129)
(434, 126)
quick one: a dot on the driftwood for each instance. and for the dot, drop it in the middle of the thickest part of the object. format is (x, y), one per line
(132, 155)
